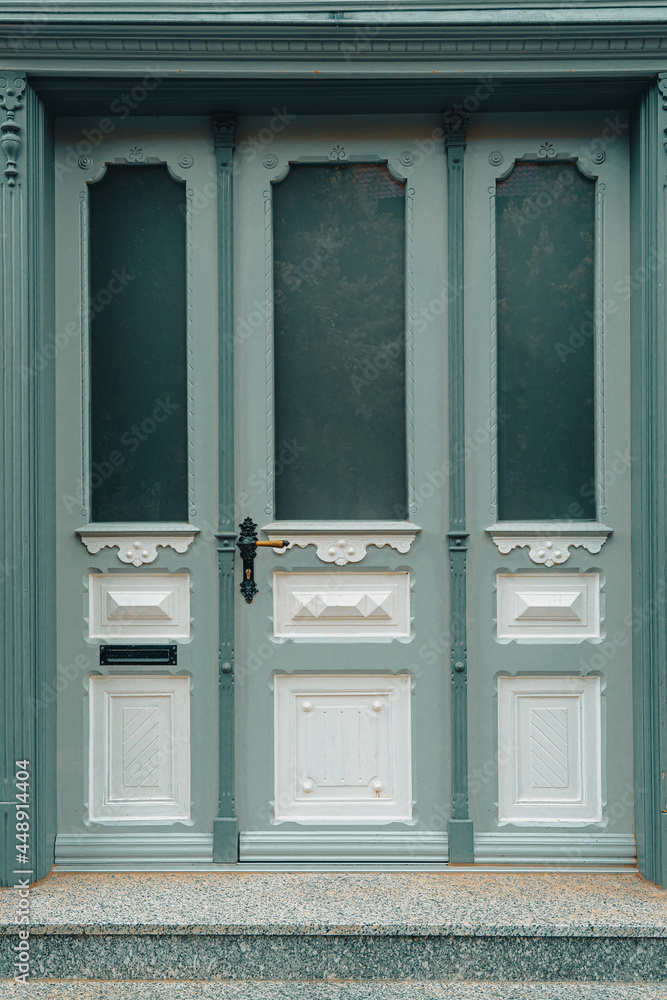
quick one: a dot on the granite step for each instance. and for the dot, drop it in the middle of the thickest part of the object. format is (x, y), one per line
(295, 927)
(372, 990)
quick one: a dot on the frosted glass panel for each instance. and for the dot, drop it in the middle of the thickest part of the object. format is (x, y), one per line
(545, 233)
(339, 339)
(138, 346)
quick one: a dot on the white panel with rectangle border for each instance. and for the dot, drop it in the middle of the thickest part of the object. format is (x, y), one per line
(548, 607)
(139, 750)
(341, 605)
(549, 750)
(141, 606)
(342, 748)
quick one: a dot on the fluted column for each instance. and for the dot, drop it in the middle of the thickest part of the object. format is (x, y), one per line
(27, 501)
(648, 276)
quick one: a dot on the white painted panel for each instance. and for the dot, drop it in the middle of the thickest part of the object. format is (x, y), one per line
(342, 748)
(141, 606)
(139, 757)
(548, 607)
(549, 750)
(341, 605)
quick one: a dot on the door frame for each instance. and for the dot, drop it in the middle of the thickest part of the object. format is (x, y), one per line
(28, 555)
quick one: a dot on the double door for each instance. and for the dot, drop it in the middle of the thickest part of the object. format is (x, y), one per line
(313, 710)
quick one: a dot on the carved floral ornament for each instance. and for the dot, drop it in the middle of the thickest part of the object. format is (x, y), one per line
(662, 87)
(11, 96)
(137, 547)
(346, 542)
(548, 545)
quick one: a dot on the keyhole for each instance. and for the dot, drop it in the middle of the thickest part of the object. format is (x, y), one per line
(247, 574)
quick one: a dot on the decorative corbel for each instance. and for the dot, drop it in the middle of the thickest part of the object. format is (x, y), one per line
(455, 124)
(11, 96)
(662, 87)
(224, 131)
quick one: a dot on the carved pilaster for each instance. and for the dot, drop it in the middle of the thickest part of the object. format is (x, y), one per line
(225, 826)
(455, 124)
(27, 509)
(12, 89)
(648, 267)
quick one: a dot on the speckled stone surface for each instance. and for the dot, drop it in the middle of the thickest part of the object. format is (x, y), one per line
(330, 926)
(336, 991)
(329, 903)
(322, 957)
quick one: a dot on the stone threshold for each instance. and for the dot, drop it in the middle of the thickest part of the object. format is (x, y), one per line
(319, 927)
(463, 904)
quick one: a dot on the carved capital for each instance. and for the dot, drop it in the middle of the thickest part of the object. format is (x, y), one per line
(224, 131)
(12, 90)
(662, 88)
(455, 124)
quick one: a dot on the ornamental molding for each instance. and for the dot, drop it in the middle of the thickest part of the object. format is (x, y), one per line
(137, 545)
(462, 12)
(632, 41)
(224, 130)
(548, 544)
(12, 89)
(344, 542)
(455, 123)
(662, 87)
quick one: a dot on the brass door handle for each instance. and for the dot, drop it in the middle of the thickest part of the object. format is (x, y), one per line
(248, 544)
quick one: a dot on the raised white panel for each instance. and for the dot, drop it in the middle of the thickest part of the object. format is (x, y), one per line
(342, 748)
(139, 757)
(142, 606)
(549, 750)
(546, 606)
(338, 605)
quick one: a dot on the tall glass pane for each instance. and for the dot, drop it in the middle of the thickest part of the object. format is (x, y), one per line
(545, 241)
(138, 346)
(339, 327)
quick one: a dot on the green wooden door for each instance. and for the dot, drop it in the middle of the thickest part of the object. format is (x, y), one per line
(342, 730)
(137, 441)
(317, 718)
(549, 465)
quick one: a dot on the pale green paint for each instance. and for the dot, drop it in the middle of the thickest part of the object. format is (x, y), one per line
(516, 135)
(27, 570)
(649, 444)
(258, 656)
(198, 656)
(620, 48)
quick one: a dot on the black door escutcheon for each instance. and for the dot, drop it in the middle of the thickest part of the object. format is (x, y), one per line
(247, 544)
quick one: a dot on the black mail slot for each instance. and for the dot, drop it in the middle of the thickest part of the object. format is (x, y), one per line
(114, 655)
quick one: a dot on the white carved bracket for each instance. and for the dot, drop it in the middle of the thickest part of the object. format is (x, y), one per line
(343, 542)
(549, 543)
(137, 544)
